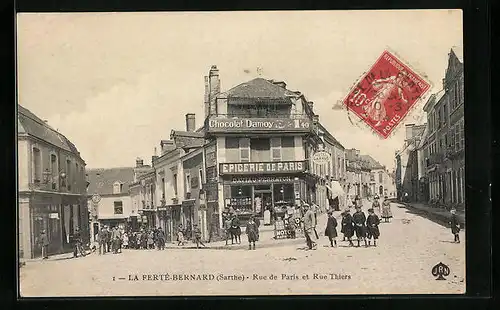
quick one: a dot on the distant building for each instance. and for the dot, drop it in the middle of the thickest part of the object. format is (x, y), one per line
(52, 187)
(113, 206)
(407, 180)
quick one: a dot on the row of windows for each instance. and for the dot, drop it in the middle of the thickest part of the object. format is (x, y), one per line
(453, 140)
(260, 149)
(52, 173)
(452, 100)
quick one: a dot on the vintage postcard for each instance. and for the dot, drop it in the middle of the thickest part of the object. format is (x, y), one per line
(241, 153)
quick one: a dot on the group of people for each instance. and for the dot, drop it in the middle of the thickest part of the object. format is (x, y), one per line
(145, 239)
(110, 239)
(195, 234)
(232, 227)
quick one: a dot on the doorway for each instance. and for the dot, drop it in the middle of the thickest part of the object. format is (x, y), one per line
(263, 200)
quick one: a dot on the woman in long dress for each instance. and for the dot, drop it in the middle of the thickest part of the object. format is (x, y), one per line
(386, 210)
(252, 232)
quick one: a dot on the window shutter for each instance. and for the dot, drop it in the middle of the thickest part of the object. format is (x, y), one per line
(276, 149)
(244, 149)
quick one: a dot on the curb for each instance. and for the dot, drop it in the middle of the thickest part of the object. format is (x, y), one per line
(440, 219)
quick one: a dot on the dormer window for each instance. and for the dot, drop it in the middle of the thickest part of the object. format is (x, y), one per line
(117, 188)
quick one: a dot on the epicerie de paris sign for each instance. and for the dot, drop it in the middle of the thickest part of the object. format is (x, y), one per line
(262, 167)
(258, 124)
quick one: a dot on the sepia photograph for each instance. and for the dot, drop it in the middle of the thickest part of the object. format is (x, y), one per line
(240, 153)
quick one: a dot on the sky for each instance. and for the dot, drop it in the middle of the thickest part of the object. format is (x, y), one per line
(116, 84)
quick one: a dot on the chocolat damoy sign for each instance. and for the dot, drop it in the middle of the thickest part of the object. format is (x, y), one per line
(257, 124)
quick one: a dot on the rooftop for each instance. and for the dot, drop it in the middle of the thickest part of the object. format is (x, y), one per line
(102, 180)
(29, 123)
(259, 88)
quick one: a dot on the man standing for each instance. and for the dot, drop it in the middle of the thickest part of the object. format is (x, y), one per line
(309, 221)
(115, 235)
(44, 243)
(161, 239)
(102, 241)
(108, 239)
(76, 242)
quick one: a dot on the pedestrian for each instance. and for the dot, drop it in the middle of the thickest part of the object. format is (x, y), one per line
(125, 240)
(151, 241)
(357, 202)
(108, 239)
(102, 240)
(227, 227)
(372, 230)
(144, 239)
(180, 236)
(197, 236)
(347, 226)
(43, 240)
(235, 229)
(161, 239)
(120, 239)
(331, 229)
(359, 220)
(455, 225)
(77, 243)
(309, 226)
(115, 236)
(376, 204)
(252, 232)
(386, 210)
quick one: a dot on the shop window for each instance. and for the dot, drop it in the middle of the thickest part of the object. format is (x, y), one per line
(241, 199)
(283, 193)
(118, 207)
(37, 165)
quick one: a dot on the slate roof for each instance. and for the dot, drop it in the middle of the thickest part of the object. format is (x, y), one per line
(259, 88)
(370, 162)
(102, 180)
(330, 136)
(29, 123)
(424, 137)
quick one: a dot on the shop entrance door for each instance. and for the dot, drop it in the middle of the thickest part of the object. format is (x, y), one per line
(263, 200)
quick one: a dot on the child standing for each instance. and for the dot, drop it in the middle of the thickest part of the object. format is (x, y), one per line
(372, 227)
(359, 219)
(347, 226)
(252, 232)
(331, 229)
(180, 236)
(197, 236)
(455, 225)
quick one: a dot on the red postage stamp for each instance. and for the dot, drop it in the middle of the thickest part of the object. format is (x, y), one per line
(386, 93)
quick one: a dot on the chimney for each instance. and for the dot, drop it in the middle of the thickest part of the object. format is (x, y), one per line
(190, 122)
(139, 162)
(154, 158)
(206, 99)
(166, 146)
(214, 87)
(409, 131)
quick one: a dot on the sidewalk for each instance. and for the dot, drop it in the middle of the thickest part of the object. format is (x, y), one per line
(437, 215)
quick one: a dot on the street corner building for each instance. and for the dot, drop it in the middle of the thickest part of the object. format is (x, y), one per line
(431, 165)
(109, 200)
(52, 188)
(261, 139)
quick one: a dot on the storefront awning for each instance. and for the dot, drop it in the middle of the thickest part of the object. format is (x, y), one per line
(335, 189)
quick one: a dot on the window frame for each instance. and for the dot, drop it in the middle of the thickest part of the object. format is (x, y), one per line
(115, 206)
(37, 172)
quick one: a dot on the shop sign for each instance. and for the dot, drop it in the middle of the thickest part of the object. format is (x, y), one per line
(263, 167)
(261, 180)
(161, 209)
(258, 124)
(54, 216)
(321, 158)
(96, 198)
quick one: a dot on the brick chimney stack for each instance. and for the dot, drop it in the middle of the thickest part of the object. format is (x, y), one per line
(214, 87)
(139, 162)
(190, 122)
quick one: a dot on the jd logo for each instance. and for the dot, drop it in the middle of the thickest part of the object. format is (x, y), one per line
(440, 270)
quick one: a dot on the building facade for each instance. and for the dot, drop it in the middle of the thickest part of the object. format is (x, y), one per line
(407, 164)
(109, 198)
(52, 187)
(264, 137)
(142, 196)
(445, 148)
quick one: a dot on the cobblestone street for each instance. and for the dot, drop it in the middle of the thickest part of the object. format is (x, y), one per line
(408, 248)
